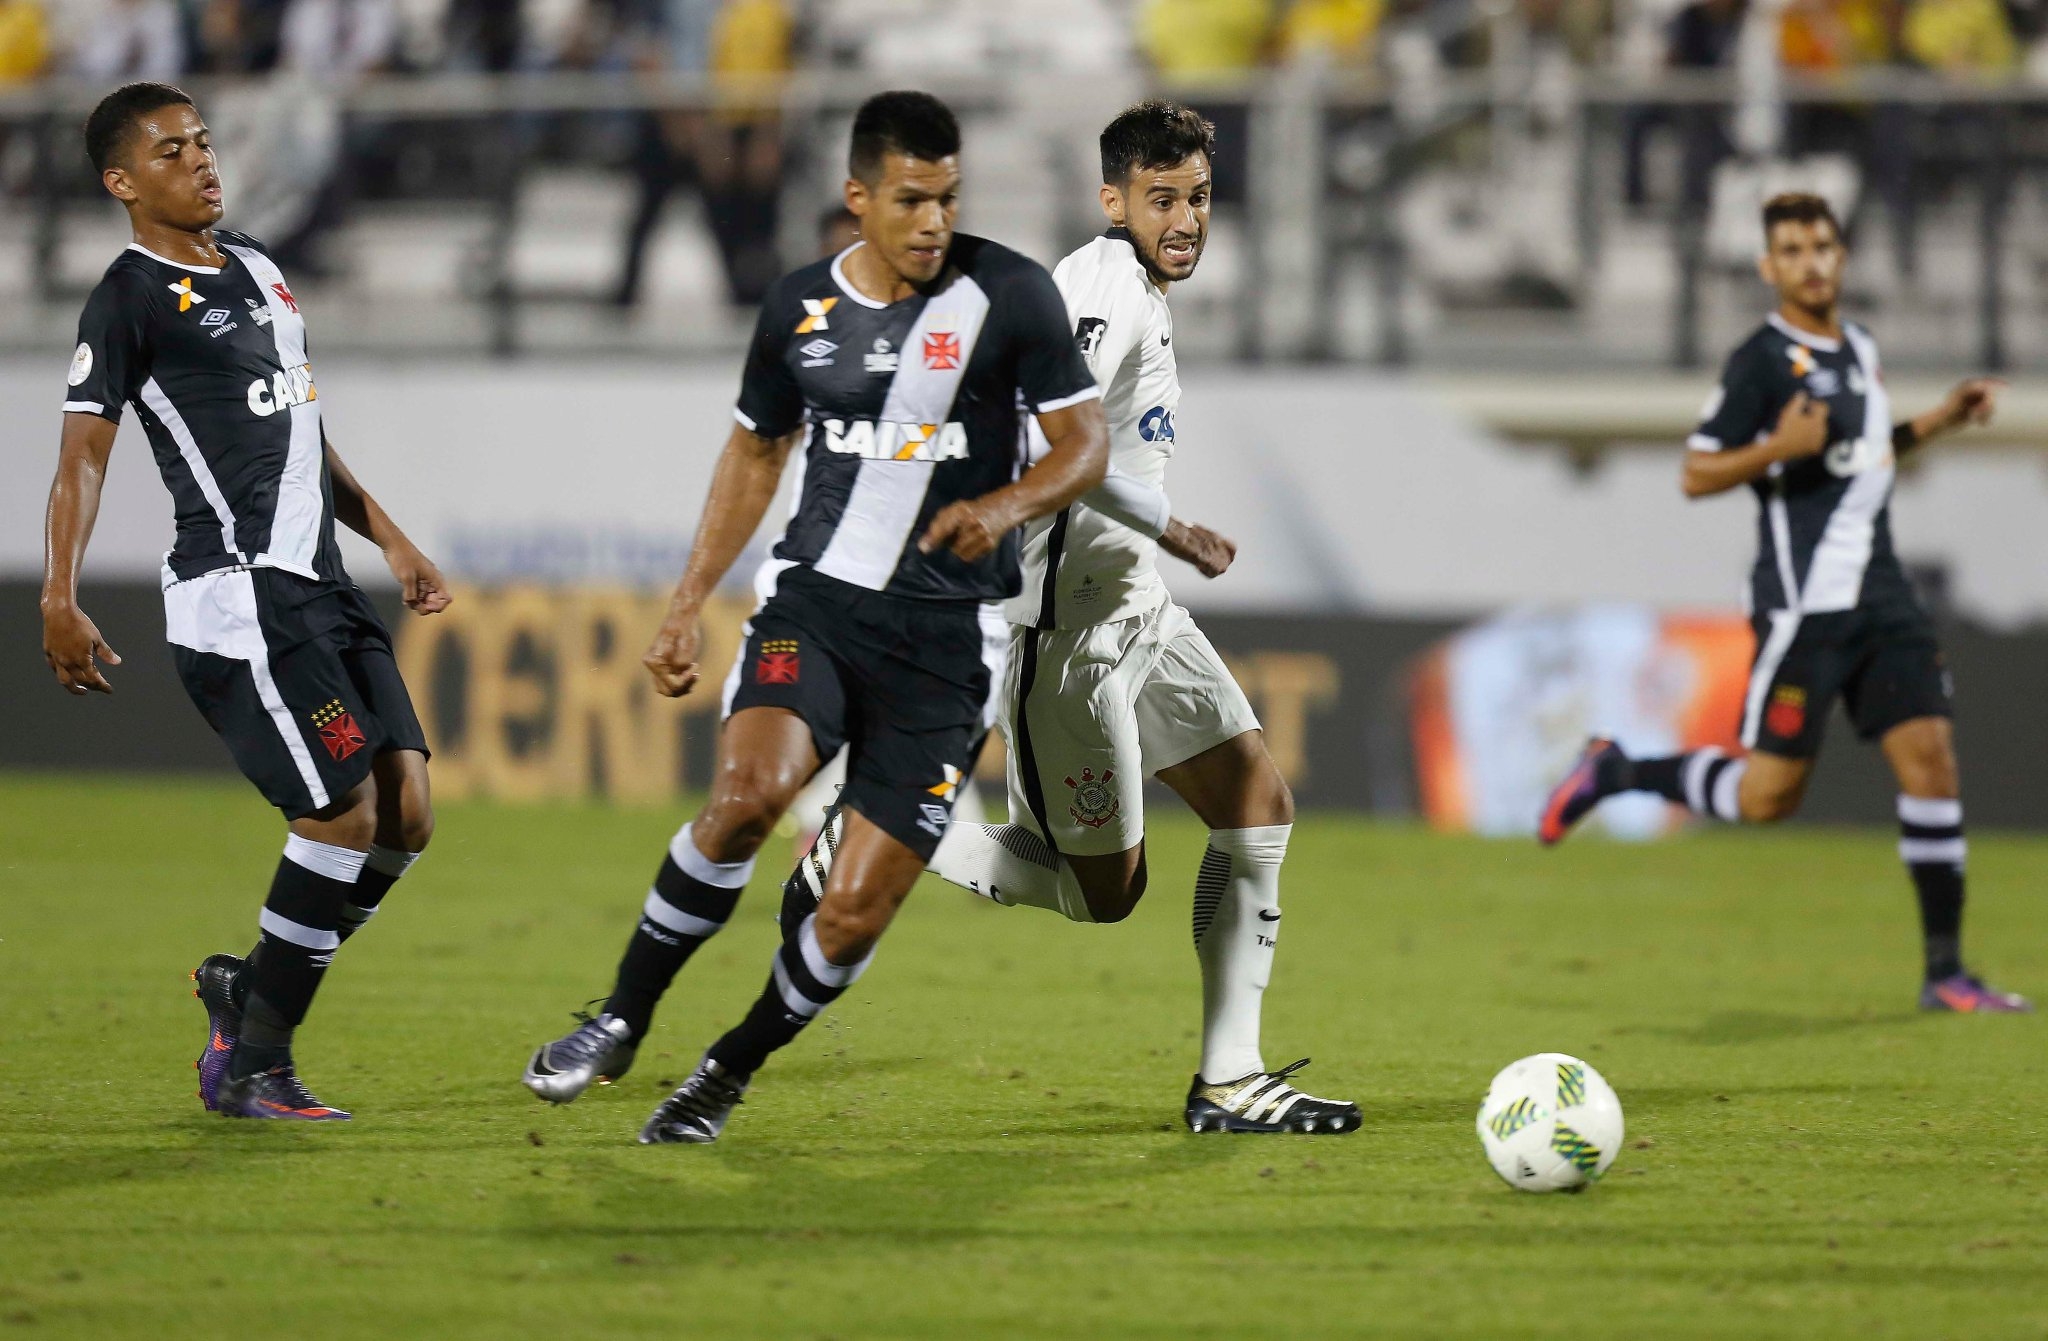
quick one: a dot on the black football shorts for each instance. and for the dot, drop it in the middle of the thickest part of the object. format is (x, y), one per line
(904, 684)
(1881, 660)
(297, 676)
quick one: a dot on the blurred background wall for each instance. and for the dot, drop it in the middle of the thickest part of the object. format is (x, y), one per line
(1472, 268)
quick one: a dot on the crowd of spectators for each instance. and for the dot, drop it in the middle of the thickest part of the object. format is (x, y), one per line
(113, 39)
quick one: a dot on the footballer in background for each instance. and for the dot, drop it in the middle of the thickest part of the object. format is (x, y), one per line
(1802, 419)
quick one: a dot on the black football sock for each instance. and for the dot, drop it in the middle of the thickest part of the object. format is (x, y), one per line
(1703, 781)
(1931, 844)
(297, 942)
(382, 868)
(803, 982)
(690, 900)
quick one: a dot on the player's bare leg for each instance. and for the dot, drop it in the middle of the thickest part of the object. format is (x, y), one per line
(818, 960)
(1922, 756)
(765, 755)
(1772, 787)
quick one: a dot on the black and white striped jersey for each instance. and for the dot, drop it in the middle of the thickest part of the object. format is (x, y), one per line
(1824, 525)
(907, 407)
(214, 362)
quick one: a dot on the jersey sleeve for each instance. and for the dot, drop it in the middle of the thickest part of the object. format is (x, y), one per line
(1106, 330)
(770, 404)
(112, 359)
(1740, 409)
(1051, 370)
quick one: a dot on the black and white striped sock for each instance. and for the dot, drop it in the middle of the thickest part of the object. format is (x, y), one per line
(689, 902)
(297, 942)
(382, 867)
(1932, 845)
(801, 985)
(1705, 781)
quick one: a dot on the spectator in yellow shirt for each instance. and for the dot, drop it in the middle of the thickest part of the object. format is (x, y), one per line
(1961, 36)
(24, 41)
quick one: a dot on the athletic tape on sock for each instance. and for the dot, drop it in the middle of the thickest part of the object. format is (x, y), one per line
(1727, 797)
(336, 863)
(391, 861)
(725, 875)
(1695, 779)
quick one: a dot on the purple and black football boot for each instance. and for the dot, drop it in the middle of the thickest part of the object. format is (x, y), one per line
(1967, 994)
(214, 985)
(1580, 791)
(274, 1094)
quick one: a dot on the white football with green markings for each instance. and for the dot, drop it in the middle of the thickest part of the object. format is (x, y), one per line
(1550, 1123)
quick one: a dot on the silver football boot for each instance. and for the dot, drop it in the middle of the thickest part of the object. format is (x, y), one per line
(599, 1049)
(696, 1113)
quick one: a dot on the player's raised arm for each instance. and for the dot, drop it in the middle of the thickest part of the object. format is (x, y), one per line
(749, 471)
(1973, 401)
(71, 642)
(426, 591)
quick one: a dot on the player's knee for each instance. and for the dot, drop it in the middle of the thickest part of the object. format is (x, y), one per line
(847, 930)
(735, 825)
(350, 820)
(1115, 900)
(416, 825)
(1769, 806)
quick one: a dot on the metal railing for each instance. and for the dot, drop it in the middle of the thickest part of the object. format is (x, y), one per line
(1325, 217)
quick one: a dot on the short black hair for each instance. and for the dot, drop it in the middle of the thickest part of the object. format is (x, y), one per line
(1154, 134)
(916, 125)
(1799, 207)
(117, 114)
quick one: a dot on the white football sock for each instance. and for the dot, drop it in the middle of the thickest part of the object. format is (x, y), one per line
(1237, 921)
(1009, 864)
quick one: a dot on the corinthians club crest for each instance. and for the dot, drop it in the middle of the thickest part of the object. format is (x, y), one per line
(1093, 803)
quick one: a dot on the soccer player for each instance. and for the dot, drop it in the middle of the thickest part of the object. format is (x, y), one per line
(1109, 680)
(906, 367)
(1802, 418)
(283, 655)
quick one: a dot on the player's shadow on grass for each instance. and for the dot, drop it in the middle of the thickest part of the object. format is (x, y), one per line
(1736, 1027)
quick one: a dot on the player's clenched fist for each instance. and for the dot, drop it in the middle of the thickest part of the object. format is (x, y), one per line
(1210, 553)
(672, 660)
(1802, 427)
(971, 528)
(71, 644)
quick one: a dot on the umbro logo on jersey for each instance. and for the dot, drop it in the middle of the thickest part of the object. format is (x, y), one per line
(818, 353)
(816, 309)
(887, 441)
(941, 351)
(186, 298)
(290, 387)
(215, 317)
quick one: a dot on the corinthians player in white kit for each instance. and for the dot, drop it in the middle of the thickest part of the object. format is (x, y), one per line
(1108, 680)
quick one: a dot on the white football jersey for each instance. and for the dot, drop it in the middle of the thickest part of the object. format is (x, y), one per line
(1081, 568)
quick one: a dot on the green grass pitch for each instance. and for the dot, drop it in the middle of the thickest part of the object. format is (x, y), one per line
(982, 1141)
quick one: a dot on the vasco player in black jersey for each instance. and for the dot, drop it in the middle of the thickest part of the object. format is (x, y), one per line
(1802, 418)
(197, 330)
(901, 373)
